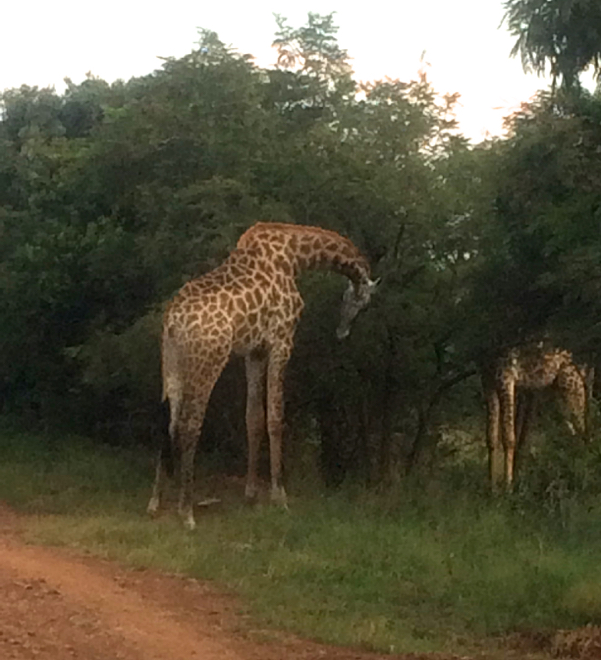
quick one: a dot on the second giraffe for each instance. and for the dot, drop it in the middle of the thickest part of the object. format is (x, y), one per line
(531, 367)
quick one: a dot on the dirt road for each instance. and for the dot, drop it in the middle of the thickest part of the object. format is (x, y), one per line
(58, 605)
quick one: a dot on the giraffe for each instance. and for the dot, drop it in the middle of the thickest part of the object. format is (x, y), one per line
(508, 389)
(248, 306)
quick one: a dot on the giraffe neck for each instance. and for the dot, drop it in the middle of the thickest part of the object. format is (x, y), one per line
(295, 248)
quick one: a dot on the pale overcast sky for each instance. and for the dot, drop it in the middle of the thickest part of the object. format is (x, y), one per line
(42, 42)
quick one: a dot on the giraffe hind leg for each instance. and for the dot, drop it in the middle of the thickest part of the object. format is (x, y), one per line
(188, 433)
(164, 469)
(188, 422)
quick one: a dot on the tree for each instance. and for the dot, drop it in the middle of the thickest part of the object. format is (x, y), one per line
(540, 244)
(562, 34)
(313, 78)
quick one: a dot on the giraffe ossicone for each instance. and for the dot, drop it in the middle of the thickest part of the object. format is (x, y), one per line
(248, 306)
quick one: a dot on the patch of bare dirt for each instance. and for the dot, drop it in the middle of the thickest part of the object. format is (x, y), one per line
(581, 643)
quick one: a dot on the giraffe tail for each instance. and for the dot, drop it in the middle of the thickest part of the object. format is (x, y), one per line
(172, 380)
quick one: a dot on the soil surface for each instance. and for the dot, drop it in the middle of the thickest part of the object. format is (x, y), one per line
(56, 604)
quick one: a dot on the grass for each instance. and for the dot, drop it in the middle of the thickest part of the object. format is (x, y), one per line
(409, 572)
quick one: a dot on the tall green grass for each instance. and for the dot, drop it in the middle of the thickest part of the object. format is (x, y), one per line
(407, 571)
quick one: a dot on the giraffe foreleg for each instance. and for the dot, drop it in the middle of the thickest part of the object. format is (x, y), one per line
(275, 419)
(495, 449)
(255, 418)
(507, 416)
(525, 407)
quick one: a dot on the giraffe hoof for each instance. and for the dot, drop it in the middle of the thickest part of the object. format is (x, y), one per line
(187, 518)
(278, 497)
(190, 524)
(153, 508)
(251, 500)
(251, 494)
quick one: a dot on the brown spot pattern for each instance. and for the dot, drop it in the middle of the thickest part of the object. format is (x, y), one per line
(249, 305)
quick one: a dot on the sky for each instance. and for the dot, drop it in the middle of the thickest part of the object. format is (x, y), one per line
(463, 44)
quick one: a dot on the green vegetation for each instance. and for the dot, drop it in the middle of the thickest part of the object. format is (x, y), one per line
(409, 571)
(563, 36)
(113, 195)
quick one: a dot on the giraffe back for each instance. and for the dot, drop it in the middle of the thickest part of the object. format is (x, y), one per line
(534, 366)
(247, 303)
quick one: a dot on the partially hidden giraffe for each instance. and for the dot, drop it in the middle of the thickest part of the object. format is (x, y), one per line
(508, 388)
(249, 306)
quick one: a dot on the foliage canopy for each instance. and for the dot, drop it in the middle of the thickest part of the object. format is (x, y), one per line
(112, 195)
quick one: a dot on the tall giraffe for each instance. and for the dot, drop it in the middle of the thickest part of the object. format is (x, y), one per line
(248, 306)
(520, 372)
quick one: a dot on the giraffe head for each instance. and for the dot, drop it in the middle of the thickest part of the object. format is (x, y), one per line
(355, 298)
